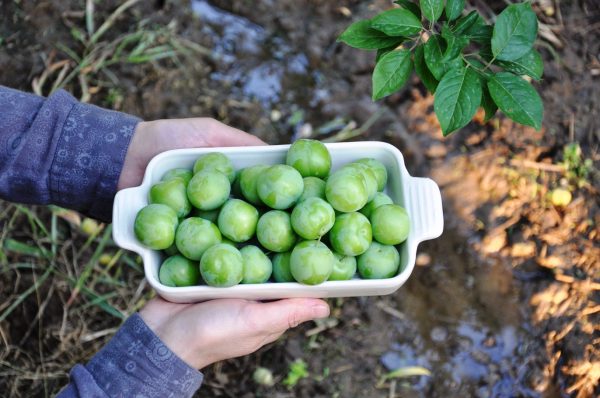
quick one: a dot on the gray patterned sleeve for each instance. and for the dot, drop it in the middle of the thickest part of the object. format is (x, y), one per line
(57, 150)
(135, 363)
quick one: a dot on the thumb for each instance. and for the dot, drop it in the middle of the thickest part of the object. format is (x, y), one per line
(284, 314)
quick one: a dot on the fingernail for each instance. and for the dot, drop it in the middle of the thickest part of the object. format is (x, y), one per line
(321, 311)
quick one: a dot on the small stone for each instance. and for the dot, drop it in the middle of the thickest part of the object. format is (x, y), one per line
(523, 249)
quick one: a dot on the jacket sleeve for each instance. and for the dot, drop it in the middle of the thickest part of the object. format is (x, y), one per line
(56, 150)
(135, 363)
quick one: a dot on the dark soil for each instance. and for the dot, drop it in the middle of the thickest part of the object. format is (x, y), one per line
(504, 304)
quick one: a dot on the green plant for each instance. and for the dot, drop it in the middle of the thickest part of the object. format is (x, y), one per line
(460, 58)
(577, 168)
(298, 370)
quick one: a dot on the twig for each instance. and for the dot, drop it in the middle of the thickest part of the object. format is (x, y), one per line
(556, 168)
(111, 20)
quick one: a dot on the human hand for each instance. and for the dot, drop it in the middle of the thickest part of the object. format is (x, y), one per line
(152, 138)
(208, 332)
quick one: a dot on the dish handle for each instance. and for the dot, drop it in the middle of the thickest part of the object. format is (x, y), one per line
(425, 209)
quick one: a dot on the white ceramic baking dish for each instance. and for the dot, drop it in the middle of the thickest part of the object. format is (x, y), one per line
(420, 196)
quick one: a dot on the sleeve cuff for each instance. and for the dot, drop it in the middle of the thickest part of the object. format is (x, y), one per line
(89, 157)
(136, 363)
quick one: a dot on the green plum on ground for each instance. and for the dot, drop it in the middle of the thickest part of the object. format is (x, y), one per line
(257, 266)
(379, 170)
(274, 231)
(195, 235)
(208, 190)
(280, 186)
(155, 226)
(310, 158)
(184, 174)
(344, 268)
(379, 199)
(390, 224)
(311, 262)
(237, 220)
(313, 188)
(222, 265)
(346, 190)
(248, 183)
(281, 267)
(379, 262)
(172, 193)
(215, 161)
(351, 234)
(312, 218)
(179, 271)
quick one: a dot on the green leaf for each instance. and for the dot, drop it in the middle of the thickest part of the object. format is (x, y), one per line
(479, 31)
(457, 98)
(487, 103)
(517, 99)
(434, 54)
(361, 35)
(397, 22)
(429, 81)
(390, 73)
(454, 44)
(514, 32)
(454, 8)
(410, 6)
(464, 23)
(530, 64)
(432, 9)
(382, 51)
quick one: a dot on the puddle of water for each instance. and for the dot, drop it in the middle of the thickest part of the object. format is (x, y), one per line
(462, 318)
(258, 65)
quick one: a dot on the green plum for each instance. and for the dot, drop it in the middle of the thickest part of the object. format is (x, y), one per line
(390, 224)
(172, 193)
(215, 161)
(311, 262)
(344, 268)
(274, 231)
(195, 235)
(210, 215)
(184, 174)
(379, 262)
(369, 176)
(280, 186)
(281, 267)
(208, 190)
(346, 190)
(248, 183)
(226, 241)
(379, 199)
(310, 158)
(155, 226)
(313, 188)
(236, 186)
(172, 250)
(222, 265)
(312, 218)
(257, 266)
(179, 271)
(237, 220)
(379, 170)
(351, 234)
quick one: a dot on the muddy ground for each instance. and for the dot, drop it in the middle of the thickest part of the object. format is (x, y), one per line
(504, 304)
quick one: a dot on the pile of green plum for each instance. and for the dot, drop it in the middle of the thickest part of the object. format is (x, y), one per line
(284, 222)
